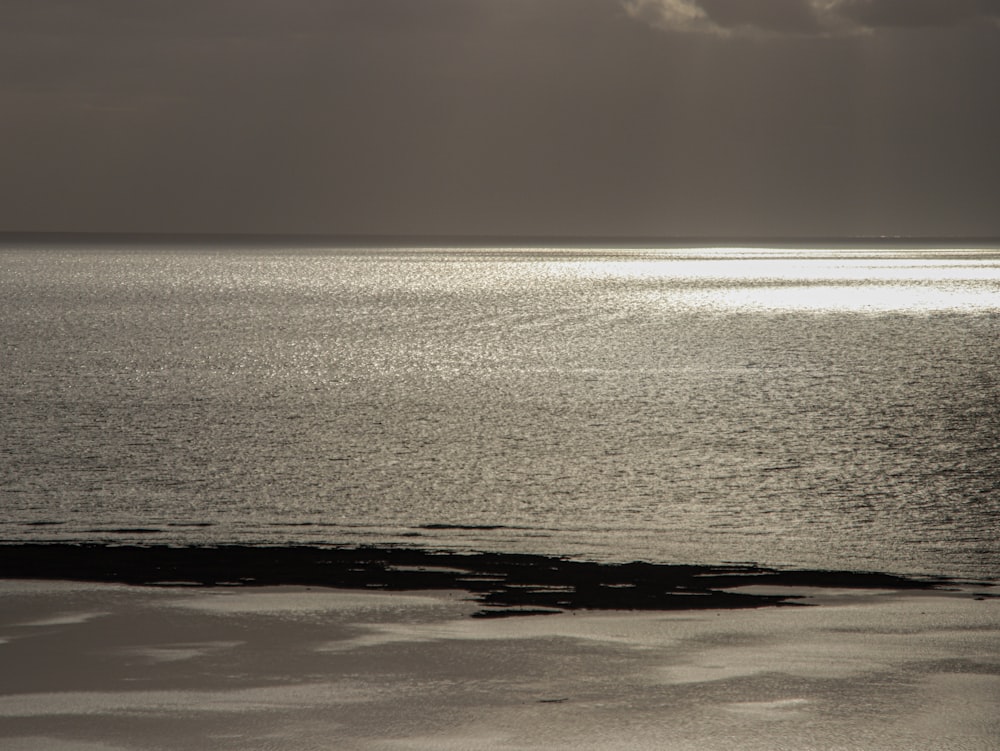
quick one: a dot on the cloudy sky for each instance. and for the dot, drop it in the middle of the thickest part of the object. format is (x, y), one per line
(578, 117)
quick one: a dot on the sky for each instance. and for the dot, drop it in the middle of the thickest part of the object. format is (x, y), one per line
(631, 118)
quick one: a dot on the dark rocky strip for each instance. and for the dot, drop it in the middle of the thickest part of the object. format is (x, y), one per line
(505, 583)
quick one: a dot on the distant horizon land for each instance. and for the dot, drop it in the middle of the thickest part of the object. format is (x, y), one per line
(333, 240)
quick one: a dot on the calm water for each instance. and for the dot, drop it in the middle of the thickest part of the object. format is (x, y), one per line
(831, 409)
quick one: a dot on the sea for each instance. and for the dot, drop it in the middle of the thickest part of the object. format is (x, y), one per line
(813, 407)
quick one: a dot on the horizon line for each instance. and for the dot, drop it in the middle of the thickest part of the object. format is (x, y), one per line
(372, 240)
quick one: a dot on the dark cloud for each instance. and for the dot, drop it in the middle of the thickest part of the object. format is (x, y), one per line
(875, 14)
(826, 17)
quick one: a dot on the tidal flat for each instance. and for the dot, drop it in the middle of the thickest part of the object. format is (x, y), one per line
(109, 667)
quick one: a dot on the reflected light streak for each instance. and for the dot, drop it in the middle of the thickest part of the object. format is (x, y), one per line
(732, 279)
(861, 298)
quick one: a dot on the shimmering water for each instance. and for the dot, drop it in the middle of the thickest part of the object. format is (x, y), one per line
(822, 408)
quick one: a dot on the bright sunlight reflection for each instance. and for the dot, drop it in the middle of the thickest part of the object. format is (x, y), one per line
(754, 280)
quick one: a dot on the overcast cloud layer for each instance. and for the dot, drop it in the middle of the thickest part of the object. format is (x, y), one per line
(578, 117)
(811, 17)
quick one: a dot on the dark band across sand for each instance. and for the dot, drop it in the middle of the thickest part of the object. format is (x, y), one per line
(504, 583)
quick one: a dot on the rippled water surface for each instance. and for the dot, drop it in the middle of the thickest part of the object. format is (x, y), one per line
(822, 408)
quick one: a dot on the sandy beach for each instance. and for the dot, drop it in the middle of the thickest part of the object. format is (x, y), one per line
(106, 667)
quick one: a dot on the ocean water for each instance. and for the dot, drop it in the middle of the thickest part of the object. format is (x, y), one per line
(819, 408)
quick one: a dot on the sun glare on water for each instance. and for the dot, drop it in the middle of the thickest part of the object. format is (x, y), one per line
(735, 279)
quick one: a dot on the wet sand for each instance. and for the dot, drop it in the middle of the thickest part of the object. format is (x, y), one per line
(105, 666)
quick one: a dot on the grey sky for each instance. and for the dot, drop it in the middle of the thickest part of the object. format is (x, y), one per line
(606, 117)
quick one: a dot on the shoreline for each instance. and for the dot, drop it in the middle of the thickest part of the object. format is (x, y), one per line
(503, 584)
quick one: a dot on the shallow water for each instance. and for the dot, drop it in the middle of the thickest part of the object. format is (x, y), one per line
(834, 409)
